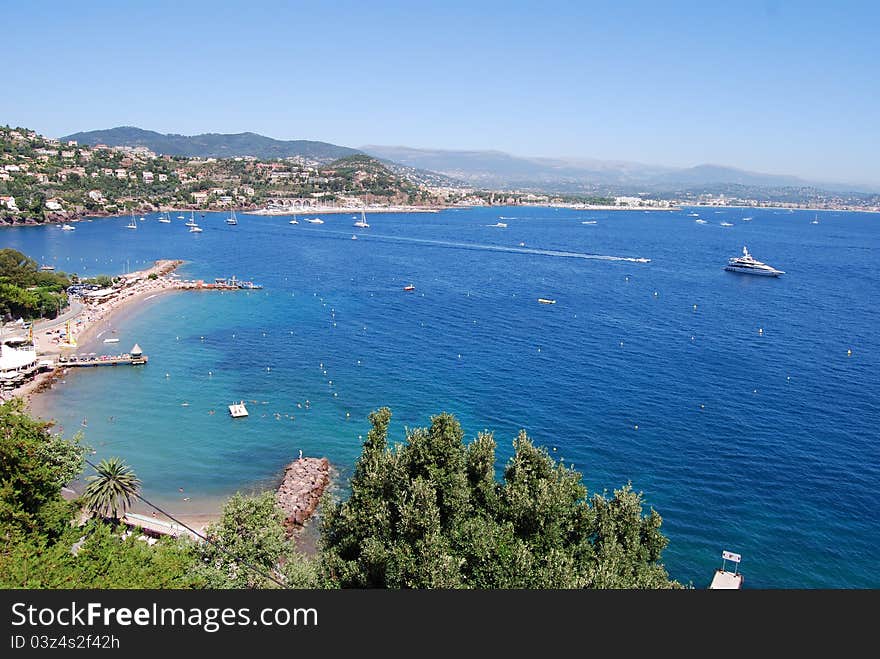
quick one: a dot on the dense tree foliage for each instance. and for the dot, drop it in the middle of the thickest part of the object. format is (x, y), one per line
(99, 555)
(26, 291)
(34, 464)
(430, 514)
(251, 533)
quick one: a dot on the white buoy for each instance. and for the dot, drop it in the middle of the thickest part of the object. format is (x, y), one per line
(167, 375)
(695, 307)
(636, 427)
(760, 330)
(656, 293)
(849, 353)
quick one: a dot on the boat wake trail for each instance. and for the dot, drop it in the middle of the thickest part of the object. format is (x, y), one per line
(493, 248)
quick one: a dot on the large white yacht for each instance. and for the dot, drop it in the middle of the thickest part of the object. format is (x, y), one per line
(749, 265)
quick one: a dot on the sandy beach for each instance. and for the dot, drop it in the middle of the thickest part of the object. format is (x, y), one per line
(87, 326)
(92, 315)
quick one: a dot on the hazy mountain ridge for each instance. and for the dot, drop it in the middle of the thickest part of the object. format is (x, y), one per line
(495, 168)
(213, 145)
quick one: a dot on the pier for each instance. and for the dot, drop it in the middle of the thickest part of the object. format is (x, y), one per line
(134, 358)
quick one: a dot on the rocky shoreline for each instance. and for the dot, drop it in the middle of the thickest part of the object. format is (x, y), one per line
(299, 494)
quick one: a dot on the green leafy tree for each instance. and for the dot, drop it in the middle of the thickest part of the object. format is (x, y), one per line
(251, 531)
(109, 491)
(34, 465)
(430, 513)
(98, 556)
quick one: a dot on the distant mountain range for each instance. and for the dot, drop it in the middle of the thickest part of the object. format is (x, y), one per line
(482, 169)
(498, 169)
(213, 145)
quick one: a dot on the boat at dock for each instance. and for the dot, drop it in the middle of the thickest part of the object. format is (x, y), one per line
(238, 410)
(231, 283)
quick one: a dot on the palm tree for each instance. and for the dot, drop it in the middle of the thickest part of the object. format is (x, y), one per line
(110, 491)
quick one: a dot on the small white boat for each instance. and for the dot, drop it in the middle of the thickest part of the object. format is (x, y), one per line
(725, 224)
(111, 340)
(315, 220)
(67, 227)
(747, 219)
(500, 225)
(181, 217)
(191, 222)
(545, 300)
(132, 224)
(195, 229)
(294, 221)
(693, 215)
(232, 219)
(698, 221)
(362, 223)
(589, 222)
(354, 237)
(815, 220)
(164, 219)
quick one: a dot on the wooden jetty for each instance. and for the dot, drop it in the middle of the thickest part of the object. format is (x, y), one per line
(134, 358)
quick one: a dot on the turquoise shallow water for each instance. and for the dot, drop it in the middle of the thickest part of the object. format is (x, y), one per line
(781, 464)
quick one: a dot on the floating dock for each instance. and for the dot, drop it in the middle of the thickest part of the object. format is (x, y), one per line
(238, 410)
(723, 578)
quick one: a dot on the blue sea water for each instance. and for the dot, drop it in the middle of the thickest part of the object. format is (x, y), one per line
(729, 400)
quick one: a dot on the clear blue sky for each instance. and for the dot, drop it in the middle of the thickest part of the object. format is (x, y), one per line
(773, 86)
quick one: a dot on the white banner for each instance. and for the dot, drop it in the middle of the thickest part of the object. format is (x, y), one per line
(730, 556)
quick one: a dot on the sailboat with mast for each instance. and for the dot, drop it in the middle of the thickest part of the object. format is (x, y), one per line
(232, 219)
(132, 224)
(192, 220)
(362, 223)
(164, 219)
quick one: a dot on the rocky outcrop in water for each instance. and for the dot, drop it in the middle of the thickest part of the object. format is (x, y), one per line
(301, 489)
